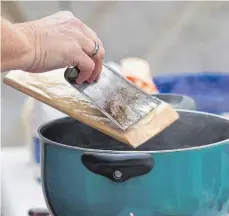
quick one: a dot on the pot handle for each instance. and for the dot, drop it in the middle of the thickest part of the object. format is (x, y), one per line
(118, 167)
(177, 101)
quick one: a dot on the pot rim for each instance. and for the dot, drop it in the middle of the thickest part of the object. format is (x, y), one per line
(226, 141)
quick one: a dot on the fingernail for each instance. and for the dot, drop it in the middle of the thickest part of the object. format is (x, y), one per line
(78, 82)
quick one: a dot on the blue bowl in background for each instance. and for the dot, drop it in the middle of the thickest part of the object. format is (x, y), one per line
(209, 90)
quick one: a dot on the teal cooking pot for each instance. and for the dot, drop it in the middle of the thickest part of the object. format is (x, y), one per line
(183, 171)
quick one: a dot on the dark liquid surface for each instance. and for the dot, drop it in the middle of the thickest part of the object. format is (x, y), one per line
(191, 130)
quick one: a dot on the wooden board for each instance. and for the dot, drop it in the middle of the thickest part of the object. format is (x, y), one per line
(51, 88)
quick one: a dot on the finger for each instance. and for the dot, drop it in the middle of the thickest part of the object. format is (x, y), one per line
(98, 66)
(87, 45)
(87, 42)
(98, 77)
(98, 58)
(96, 72)
(86, 66)
(88, 32)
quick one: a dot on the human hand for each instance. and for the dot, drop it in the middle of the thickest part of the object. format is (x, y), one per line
(62, 40)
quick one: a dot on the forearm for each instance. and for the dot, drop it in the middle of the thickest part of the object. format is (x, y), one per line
(15, 46)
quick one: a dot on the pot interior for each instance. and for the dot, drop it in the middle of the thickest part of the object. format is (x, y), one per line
(192, 129)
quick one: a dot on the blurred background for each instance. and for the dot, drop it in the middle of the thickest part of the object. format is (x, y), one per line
(174, 37)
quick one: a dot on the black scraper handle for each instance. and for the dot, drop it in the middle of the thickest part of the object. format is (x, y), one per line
(71, 74)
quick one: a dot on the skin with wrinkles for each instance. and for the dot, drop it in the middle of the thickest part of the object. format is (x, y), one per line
(50, 43)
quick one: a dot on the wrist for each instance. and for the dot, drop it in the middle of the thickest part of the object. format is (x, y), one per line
(16, 47)
(28, 54)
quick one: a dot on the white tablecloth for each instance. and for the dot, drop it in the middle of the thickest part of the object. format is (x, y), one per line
(20, 190)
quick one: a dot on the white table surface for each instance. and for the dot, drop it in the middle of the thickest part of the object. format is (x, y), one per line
(20, 190)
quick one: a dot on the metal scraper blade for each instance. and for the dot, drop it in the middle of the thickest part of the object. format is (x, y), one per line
(116, 97)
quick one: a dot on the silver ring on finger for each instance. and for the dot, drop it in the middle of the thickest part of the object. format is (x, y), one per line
(96, 49)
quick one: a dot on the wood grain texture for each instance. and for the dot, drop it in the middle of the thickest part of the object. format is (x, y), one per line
(52, 89)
